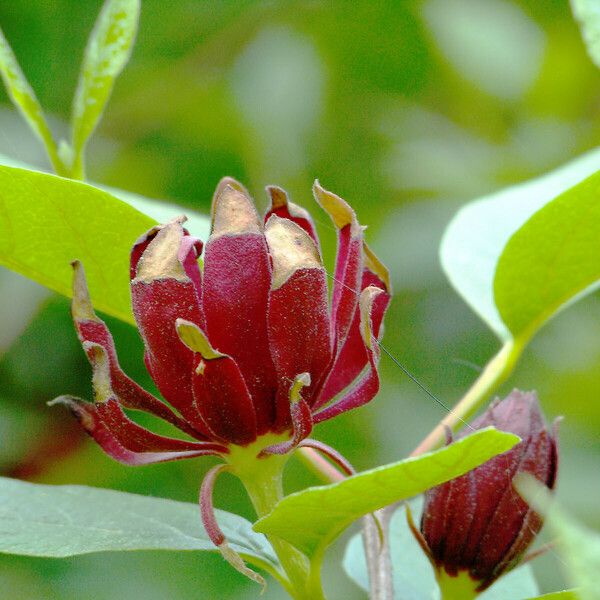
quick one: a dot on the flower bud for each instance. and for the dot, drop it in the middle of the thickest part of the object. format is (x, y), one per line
(476, 526)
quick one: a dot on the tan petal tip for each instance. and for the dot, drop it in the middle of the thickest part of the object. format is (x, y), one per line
(236, 561)
(99, 360)
(377, 267)
(339, 210)
(278, 196)
(81, 306)
(233, 212)
(195, 339)
(367, 297)
(300, 381)
(291, 249)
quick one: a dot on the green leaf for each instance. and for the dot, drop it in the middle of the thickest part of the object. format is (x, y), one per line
(108, 50)
(413, 575)
(551, 260)
(477, 236)
(24, 98)
(313, 518)
(68, 520)
(47, 221)
(562, 595)
(578, 546)
(587, 12)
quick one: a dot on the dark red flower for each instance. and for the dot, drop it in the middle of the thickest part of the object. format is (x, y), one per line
(246, 346)
(478, 524)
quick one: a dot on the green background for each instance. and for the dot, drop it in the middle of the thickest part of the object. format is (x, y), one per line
(406, 109)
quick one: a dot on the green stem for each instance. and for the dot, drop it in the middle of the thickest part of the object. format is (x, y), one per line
(494, 374)
(263, 482)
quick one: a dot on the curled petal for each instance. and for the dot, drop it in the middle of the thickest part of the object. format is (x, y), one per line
(220, 393)
(298, 319)
(92, 329)
(368, 383)
(282, 207)
(300, 415)
(162, 292)
(331, 453)
(215, 533)
(237, 278)
(349, 261)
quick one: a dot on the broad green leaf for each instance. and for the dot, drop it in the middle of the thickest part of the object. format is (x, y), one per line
(562, 595)
(313, 518)
(587, 12)
(413, 574)
(578, 546)
(47, 221)
(551, 260)
(67, 520)
(476, 237)
(108, 50)
(24, 98)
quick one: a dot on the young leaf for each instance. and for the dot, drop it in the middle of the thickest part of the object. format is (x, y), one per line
(23, 97)
(476, 237)
(313, 518)
(578, 546)
(108, 50)
(551, 260)
(587, 12)
(412, 571)
(67, 520)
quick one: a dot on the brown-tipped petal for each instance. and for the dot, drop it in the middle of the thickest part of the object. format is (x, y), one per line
(237, 278)
(352, 357)
(300, 416)
(221, 396)
(331, 453)
(223, 183)
(349, 261)
(90, 328)
(298, 318)
(215, 533)
(368, 383)
(161, 293)
(282, 207)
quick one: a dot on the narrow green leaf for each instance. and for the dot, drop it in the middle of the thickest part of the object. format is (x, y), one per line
(562, 595)
(578, 546)
(551, 260)
(587, 12)
(47, 221)
(24, 98)
(68, 520)
(413, 575)
(108, 50)
(313, 518)
(476, 237)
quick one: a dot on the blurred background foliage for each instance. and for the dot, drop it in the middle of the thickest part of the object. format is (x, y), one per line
(406, 109)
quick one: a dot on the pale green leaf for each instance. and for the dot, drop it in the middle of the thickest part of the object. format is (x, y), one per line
(562, 595)
(578, 546)
(551, 260)
(412, 572)
(476, 237)
(108, 50)
(67, 520)
(24, 98)
(313, 518)
(587, 12)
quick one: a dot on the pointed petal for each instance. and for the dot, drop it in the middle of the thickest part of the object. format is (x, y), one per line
(368, 384)
(349, 261)
(90, 328)
(331, 453)
(352, 357)
(220, 393)
(300, 415)
(162, 292)
(282, 207)
(215, 533)
(298, 318)
(237, 277)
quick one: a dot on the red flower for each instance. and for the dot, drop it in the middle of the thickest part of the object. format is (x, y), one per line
(246, 347)
(478, 524)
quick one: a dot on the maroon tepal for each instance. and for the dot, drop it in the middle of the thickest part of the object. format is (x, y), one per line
(478, 524)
